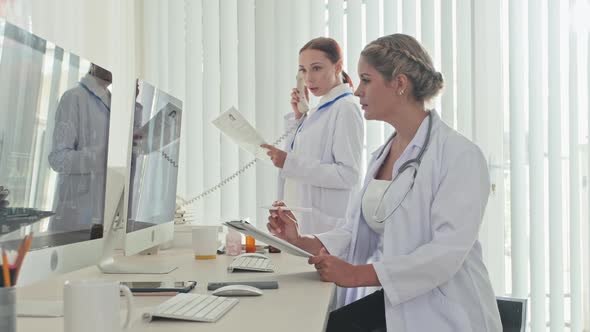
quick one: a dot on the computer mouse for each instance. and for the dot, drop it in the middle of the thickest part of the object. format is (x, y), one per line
(253, 254)
(237, 290)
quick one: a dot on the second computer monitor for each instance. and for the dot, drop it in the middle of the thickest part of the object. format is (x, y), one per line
(153, 168)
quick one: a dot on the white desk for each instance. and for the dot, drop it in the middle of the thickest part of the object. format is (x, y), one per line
(300, 304)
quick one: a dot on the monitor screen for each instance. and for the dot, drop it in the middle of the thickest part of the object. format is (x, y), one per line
(154, 158)
(54, 127)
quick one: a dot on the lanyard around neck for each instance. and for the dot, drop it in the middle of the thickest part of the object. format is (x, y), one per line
(323, 106)
(328, 104)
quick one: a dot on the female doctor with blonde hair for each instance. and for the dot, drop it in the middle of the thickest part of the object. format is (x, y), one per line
(320, 166)
(412, 232)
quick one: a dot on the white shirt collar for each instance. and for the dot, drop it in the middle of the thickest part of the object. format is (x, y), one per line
(422, 132)
(418, 139)
(96, 86)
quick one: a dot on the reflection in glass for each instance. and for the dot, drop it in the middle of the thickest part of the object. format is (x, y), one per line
(79, 151)
(54, 124)
(154, 158)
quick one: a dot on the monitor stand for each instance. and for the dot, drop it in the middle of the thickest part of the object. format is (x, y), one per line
(125, 265)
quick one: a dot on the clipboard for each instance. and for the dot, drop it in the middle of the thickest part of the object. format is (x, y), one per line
(246, 228)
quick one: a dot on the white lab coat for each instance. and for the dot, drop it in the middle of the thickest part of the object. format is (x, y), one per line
(79, 155)
(325, 161)
(431, 269)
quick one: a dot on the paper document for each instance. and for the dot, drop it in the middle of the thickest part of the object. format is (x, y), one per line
(246, 228)
(236, 127)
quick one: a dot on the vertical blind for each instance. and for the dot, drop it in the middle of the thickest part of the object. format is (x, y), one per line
(517, 83)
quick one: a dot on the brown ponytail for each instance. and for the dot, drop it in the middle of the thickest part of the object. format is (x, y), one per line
(347, 79)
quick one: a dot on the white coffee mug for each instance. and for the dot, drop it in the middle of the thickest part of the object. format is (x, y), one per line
(205, 242)
(93, 306)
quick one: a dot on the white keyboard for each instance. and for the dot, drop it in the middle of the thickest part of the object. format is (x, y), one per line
(251, 264)
(195, 307)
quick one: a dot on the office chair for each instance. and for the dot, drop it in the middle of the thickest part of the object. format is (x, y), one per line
(512, 313)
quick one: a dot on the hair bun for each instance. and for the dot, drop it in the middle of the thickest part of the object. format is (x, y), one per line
(438, 76)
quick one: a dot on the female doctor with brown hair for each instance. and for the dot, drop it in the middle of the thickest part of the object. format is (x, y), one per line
(320, 165)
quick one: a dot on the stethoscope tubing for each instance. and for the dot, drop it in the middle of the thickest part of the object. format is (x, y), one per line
(417, 161)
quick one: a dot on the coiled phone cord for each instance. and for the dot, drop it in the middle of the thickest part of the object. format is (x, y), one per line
(237, 173)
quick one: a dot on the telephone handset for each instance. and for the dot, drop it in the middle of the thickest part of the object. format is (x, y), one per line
(302, 105)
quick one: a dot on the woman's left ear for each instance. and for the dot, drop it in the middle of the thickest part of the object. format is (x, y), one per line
(401, 83)
(339, 67)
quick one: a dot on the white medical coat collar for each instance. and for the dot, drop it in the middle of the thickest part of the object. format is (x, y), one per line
(417, 141)
(335, 92)
(422, 132)
(94, 84)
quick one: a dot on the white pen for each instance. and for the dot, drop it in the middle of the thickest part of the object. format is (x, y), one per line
(287, 208)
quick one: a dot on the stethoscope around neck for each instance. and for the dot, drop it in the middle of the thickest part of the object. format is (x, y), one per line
(404, 180)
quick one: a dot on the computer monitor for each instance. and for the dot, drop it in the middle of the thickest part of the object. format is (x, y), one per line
(153, 171)
(150, 188)
(54, 129)
(513, 313)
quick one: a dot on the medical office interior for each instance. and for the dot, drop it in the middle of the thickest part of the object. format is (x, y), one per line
(517, 81)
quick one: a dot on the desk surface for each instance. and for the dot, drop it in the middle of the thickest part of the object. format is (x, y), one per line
(300, 304)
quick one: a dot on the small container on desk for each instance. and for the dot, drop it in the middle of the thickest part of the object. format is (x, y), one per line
(250, 244)
(233, 243)
(7, 309)
(11, 273)
(14, 245)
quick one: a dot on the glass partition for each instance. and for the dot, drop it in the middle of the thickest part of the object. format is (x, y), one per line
(54, 125)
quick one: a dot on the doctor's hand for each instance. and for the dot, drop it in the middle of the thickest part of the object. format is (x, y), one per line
(277, 156)
(333, 269)
(282, 224)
